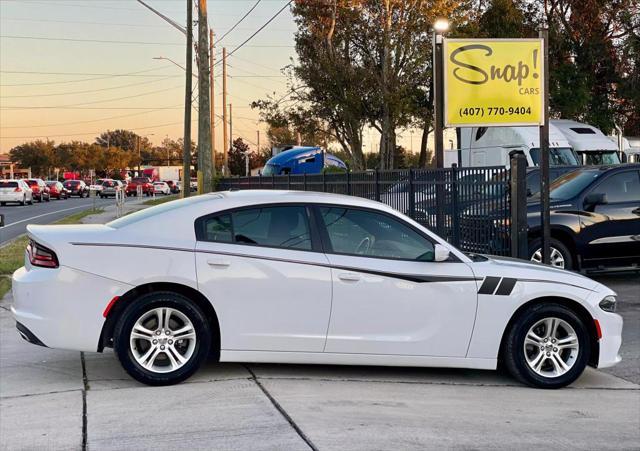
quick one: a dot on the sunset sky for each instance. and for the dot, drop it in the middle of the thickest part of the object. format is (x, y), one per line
(57, 82)
(60, 79)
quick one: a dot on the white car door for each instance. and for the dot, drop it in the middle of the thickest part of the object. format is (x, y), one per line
(388, 297)
(264, 271)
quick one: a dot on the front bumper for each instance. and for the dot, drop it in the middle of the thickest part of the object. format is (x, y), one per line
(62, 307)
(611, 327)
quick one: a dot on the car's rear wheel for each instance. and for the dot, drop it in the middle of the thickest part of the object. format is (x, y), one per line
(560, 256)
(548, 346)
(162, 338)
(23, 202)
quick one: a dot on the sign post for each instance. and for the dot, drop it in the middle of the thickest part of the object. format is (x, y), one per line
(545, 214)
(498, 83)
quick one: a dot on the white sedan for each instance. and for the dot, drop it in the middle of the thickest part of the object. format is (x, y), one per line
(295, 277)
(161, 188)
(15, 190)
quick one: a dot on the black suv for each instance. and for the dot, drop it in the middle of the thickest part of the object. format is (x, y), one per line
(595, 219)
(76, 188)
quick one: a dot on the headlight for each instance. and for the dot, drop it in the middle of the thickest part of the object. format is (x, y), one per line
(608, 304)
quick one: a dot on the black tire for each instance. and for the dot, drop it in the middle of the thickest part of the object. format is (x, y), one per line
(2, 204)
(23, 202)
(569, 259)
(48, 198)
(149, 302)
(513, 355)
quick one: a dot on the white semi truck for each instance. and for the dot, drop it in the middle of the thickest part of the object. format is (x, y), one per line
(592, 146)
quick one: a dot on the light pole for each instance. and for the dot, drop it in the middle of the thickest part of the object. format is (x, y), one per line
(173, 62)
(439, 28)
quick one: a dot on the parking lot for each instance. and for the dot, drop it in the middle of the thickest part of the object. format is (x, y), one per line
(54, 399)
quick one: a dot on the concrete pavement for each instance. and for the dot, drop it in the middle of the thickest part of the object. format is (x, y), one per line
(67, 400)
(51, 399)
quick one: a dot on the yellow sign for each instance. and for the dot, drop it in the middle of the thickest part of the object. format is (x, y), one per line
(493, 82)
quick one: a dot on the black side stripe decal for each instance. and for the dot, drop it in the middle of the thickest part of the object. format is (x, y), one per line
(489, 285)
(506, 286)
(417, 278)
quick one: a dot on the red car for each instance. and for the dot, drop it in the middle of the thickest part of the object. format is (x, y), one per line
(145, 182)
(57, 190)
(40, 189)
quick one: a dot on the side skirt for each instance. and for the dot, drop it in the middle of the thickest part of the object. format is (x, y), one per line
(356, 359)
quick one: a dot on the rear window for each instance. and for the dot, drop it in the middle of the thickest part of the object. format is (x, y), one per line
(51, 183)
(32, 182)
(8, 184)
(140, 180)
(160, 209)
(72, 183)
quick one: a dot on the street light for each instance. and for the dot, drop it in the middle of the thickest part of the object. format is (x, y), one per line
(173, 62)
(441, 25)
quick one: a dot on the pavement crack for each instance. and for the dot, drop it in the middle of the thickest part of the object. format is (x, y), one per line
(280, 409)
(85, 388)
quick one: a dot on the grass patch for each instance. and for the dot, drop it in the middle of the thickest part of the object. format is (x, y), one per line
(5, 285)
(161, 200)
(76, 217)
(12, 255)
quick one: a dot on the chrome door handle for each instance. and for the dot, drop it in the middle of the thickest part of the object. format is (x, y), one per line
(218, 263)
(349, 276)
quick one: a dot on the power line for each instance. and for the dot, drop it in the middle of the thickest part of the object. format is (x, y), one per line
(106, 41)
(88, 91)
(101, 77)
(239, 21)
(115, 24)
(106, 100)
(89, 121)
(86, 108)
(238, 47)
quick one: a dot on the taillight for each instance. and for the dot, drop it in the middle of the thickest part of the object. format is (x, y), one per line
(41, 256)
(17, 190)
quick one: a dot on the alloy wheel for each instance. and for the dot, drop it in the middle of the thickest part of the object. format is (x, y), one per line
(162, 340)
(551, 347)
(556, 258)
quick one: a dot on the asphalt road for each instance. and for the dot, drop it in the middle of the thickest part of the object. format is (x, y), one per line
(17, 217)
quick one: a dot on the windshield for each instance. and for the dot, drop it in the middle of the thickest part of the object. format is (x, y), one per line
(140, 180)
(570, 185)
(558, 156)
(271, 169)
(601, 157)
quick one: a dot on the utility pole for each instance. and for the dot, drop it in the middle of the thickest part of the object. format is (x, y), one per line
(225, 167)
(186, 151)
(230, 126)
(205, 176)
(212, 60)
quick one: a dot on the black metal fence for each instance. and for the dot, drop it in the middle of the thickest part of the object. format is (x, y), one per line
(469, 207)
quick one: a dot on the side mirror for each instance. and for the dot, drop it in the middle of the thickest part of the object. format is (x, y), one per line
(441, 253)
(594, 199)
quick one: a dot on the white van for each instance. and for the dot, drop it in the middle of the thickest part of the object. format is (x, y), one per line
(592, 146)
(491, 146)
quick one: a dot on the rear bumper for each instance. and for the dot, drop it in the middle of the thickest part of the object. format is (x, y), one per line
(62, 308)
(17, 197)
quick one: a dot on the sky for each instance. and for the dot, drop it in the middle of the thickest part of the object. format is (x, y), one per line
(57, 81)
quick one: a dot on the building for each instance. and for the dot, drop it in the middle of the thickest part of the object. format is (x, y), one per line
(10, 170)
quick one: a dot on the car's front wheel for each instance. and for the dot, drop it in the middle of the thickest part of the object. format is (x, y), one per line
(162, 338)
(548, 346)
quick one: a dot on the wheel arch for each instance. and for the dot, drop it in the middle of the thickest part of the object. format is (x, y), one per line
(572, 305)
(106, 335)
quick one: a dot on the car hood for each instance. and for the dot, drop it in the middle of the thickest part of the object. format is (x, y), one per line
(525, 270)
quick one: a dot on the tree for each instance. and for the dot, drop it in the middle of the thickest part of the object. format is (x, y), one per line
(124, 139)
(37, 155)
(236, 159)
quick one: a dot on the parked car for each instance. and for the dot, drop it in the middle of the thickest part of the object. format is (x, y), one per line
(595, 219)
(378, 289)
(15, 190)
(110, 187)
(57, 190)
(174, 186)
(77, 188)
(39, 188)
(145, 182)
(97, 185)
(161, 188)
